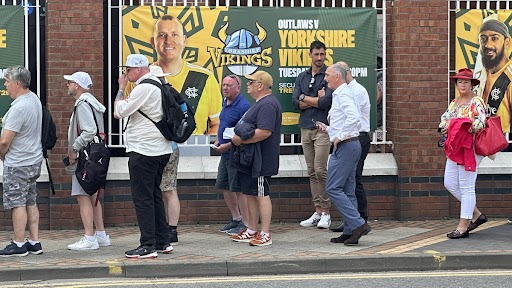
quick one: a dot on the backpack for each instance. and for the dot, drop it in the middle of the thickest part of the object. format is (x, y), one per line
(48, 132)
(48, 140)
(92, 163)
(178, 122)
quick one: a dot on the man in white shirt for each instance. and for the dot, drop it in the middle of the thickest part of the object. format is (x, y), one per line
(362, 100)
(344, 120)
(148, 152)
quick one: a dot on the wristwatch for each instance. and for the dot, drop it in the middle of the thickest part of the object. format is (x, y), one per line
(301, 97)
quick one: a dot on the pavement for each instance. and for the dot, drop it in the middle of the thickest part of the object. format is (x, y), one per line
(203, 251)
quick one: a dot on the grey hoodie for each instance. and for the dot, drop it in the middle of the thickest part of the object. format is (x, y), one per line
(82, 128)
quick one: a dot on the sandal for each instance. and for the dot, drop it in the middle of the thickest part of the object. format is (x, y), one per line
(479, 221)
(455, 234)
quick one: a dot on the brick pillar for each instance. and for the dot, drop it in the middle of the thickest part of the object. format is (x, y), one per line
(417, 87)
(74, 39)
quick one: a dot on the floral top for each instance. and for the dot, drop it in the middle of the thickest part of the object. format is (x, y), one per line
(476, 110)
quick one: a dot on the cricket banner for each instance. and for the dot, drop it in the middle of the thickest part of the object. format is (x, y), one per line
(243, 40)
(486, 50)
(11, 48)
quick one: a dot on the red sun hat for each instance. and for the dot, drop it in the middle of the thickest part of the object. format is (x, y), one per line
(466, 74)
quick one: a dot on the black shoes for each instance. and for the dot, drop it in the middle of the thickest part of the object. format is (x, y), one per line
(455, 234)
(479, 221)
(337, 228)
(35, 249)
(357, 234)
(341, 239)
(142, 252)
(13, 250)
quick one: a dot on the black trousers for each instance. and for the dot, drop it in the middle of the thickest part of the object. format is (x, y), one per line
(145, 178)
(362, 203)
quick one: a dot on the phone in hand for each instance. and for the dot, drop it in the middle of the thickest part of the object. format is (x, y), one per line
(66, 161)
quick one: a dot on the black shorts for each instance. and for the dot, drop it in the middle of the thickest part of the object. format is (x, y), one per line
(254, 186)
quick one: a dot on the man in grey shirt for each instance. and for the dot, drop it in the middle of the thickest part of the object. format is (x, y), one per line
(22, 154)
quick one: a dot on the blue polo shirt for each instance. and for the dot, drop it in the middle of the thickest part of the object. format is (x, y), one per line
(230, 115)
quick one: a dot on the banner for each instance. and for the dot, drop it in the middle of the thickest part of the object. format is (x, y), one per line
(242, 40)
(485, 47)
(11, 48)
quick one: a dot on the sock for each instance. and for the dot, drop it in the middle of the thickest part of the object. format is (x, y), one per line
(264, 233)
(173, 228)
(32, 242)
(250, 231)
(101, 234)
(19, 244)
(90, 238)
(238, 219)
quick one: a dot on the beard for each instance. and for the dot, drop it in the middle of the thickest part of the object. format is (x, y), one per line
(490, 63)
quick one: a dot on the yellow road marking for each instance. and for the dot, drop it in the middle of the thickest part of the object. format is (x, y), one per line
(432, 240)
(123, 282)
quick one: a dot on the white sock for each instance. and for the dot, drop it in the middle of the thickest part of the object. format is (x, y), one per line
(250, 231)
(101, 234)
(32, 242)
(90, 238)
(19, 244)
(238, 219)
(264, 233)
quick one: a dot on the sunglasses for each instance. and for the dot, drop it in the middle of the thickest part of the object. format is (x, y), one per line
(312, 82)
(233, 76)
(127, 69)
(250, 82)
(71, 82)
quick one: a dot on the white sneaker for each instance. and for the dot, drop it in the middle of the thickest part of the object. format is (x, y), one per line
(325, 221)
(311, 221)
(84, 244)
(103, 242)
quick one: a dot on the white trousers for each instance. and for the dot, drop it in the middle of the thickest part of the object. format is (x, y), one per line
(461, 184)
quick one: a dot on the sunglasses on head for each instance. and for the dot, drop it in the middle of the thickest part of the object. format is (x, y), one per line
(233, 76)
(312, 82)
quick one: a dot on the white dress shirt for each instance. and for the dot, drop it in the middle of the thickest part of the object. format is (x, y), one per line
(362, 101)
(344, 118)
(142, 136)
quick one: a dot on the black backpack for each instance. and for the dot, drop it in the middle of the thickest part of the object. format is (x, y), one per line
(48, 140)
(92, 163)
(178, 122)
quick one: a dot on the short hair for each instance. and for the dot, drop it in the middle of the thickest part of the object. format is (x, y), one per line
(18, 73)
(316, 45)
(340, 70)
(166, 18)
(236, 78)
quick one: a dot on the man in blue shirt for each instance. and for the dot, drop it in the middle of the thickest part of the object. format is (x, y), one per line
(234, 107)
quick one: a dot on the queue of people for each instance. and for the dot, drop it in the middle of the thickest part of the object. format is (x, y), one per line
(334, 114)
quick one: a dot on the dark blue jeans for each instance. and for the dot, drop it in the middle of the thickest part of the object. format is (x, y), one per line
(341, 174)
(145, 178)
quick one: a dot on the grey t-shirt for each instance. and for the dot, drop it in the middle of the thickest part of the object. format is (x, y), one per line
(25, 118)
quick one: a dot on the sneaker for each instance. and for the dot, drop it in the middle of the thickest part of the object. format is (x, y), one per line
(243, 236)
(13, 250)
(236, 230)
(142, 252)
(311, 221)
(231, 224)
(103, 242)
(84, 244)
(261, 240)
(164, 248)
(173, 235)
(325, 221)
(510, 220)
(35, 249)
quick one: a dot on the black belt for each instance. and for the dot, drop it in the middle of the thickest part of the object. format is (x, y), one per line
(364, 133)
(349, 140)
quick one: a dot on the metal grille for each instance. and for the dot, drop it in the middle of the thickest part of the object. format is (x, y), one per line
(114, 17)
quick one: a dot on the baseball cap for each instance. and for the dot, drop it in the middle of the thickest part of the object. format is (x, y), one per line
(157, 71)
(261, 76)
(81, 78)
(136, 60)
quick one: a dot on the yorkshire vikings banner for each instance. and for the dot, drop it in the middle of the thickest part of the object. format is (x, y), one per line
(243, 40)
(11, 48)
(482, 43)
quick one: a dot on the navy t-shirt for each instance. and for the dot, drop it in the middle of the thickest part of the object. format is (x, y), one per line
(266, 114)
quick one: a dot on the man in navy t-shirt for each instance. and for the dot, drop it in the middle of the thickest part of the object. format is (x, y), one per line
(265, 117)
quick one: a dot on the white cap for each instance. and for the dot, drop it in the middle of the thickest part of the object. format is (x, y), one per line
(157, 71)
(81, 78)
(136, 60)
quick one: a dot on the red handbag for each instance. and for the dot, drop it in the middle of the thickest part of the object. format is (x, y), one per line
(491, 139)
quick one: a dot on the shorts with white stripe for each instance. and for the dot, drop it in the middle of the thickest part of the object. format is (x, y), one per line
(254, 186)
